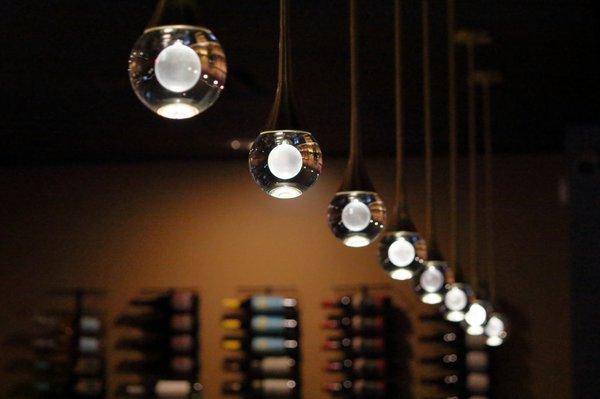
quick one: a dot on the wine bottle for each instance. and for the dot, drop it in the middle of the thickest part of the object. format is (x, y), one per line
(448, 339)
(358, 304)
(177, 301)
(177, 367)
(445, 382)
(89, 387)
(270, 366)
(153, 343)
(450, 361)
(160, 323)
(264, 304)
(262, 346)
(258, 389)
(159, 389)
(357, 389)
(477, 360)
(358, 368)
(355, 325)
(88, 366)
(357, 346)
(262, 324)
(90, 325)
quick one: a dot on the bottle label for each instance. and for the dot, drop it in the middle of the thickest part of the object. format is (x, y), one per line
(268, 345)
(172, 388)
(277, 366)
(264, 303)
(268, 324)
(278, 387)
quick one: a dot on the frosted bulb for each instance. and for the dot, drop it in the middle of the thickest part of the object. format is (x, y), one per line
(178, 67)
(285, 161)
(401, 253)
(432, 280)
(356, 216)
(495, 327)
(456, 299)
(476, 315)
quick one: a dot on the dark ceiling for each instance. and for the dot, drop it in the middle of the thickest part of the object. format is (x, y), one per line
(67, 96)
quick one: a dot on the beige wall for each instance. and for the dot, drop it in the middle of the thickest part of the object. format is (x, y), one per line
(125, 227)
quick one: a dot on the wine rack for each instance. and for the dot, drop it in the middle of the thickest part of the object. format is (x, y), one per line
(160, 342)
(262, 338)
(369, 333)
(64, 351)
(456, 364)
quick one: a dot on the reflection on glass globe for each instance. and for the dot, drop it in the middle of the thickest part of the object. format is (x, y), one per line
(285, 163)
(431, 282)
(456, 301)
(496, 329)
(401, 254)
(476, 317)
(356, 217)
(177, 71)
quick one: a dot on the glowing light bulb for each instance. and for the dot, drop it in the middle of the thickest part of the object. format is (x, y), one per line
(401, 274)
(178, 67)
(496, 330)
(432, 280)
(401, 253)
(178, 71)
(476, 315)
(456, 299)
(285, 161)
(356, 216)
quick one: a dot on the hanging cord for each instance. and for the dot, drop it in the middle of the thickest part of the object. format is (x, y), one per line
(486, 81)
(472, 138)
(401, 201)
(354, 119)
(427, 123)
(283, 115)
(452, 141)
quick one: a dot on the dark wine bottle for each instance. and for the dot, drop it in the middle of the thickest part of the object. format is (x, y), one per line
(177, 367)
(89, 387)
(154, 343)
(358, 304)
(176, 301)
(447, 339)
(271, 366)
(262, 346)
(262, 324)
(159, 323)
(258, 389)
(357, 346)
(357, 389)
(355, 325)
(159, 389)
(358, 368)
(264, 304)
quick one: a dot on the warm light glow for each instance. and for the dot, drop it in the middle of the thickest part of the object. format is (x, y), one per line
(474, 330)
(356, 241)
(401, 253)
(285, 192)
(177, 68)
(455, 316)
(177, 111)
(285, 161)
(475, 318)
(356, 216)
(456, 300)
(494, 341)
(401, 274)
(432, 298)
(495, 327)
(432, 280)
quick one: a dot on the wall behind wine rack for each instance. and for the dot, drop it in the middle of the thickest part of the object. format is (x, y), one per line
(125, 227)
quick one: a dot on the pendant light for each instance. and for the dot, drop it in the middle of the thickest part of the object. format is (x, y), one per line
(401, 250)
(496, 329)
(479, 310)
(177, 68)
(285, 160)
(458, 295)
(431, 279)
(356, 213)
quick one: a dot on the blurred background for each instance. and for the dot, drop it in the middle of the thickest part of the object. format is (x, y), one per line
(98, 192)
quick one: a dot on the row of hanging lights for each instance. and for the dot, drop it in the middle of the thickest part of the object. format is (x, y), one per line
(178, 69)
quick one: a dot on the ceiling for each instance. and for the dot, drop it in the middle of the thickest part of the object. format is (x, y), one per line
(67, 97)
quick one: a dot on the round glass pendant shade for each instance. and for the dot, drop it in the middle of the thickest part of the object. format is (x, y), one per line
(401, 254)
(178, 71)
(496, 329)
(456, 301)
(476, 317)
(431, 282)
(285, 163)
(356, 217)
